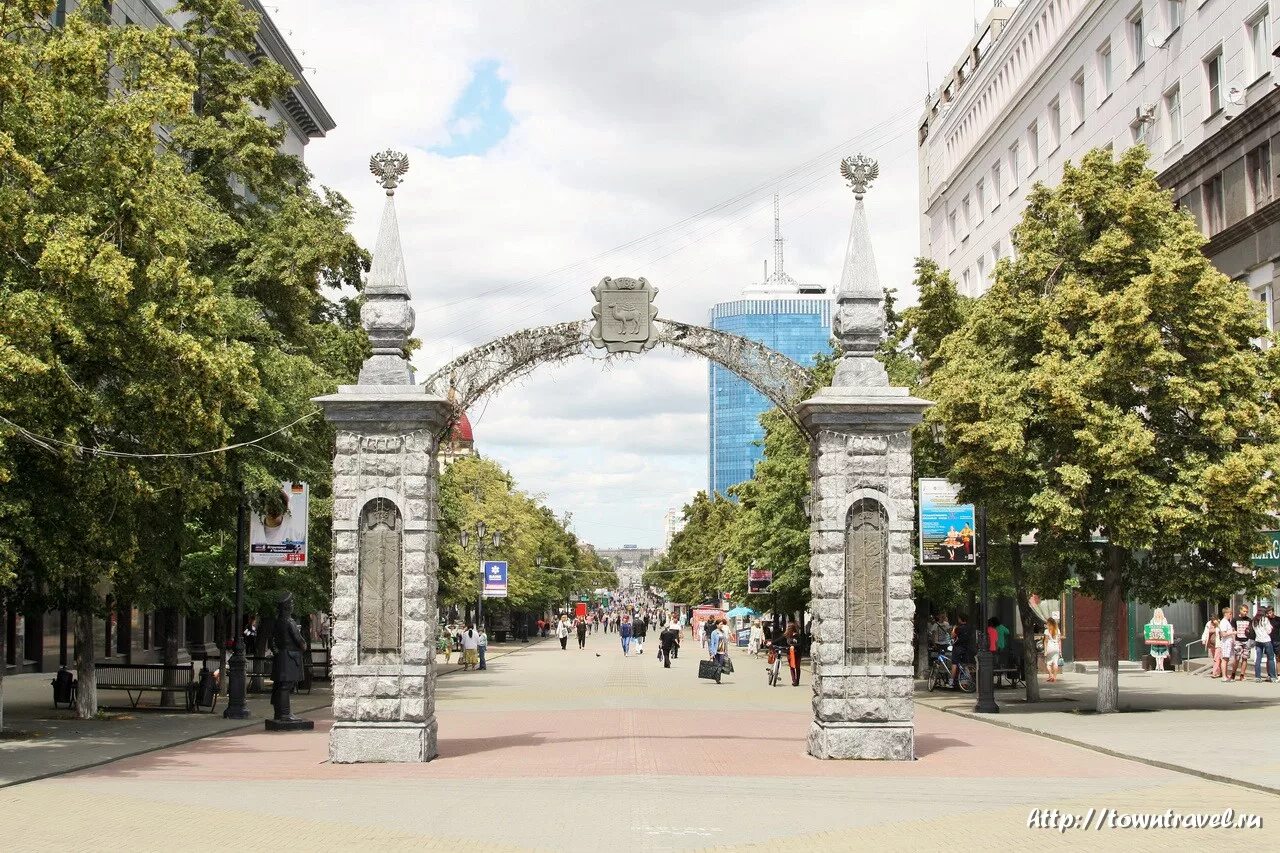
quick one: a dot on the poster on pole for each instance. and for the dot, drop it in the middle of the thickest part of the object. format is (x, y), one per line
(759, 581)
(280, 538)
(946, 525)
(495, 579)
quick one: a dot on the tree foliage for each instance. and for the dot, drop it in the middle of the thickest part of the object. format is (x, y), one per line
(1112, 393)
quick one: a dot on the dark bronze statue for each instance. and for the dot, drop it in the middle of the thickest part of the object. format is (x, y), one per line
(289, 652)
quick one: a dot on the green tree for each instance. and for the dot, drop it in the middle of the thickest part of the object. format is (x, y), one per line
(1112, 392)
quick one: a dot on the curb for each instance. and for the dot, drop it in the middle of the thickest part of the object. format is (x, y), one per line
(1152, 762)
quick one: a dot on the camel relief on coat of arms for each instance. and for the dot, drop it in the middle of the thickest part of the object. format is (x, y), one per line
(623, 312)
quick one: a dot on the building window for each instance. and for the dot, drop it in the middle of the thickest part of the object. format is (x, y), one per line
(1055, 124)
(1213, 81)
(1175, 12)
(1033, 146)
(953, 230)
(1212, 200)
(1139, 131)
(1077, 96)
(997, 185)
(1265, 298)
(966, 210)
(1258, 167)
(1105, 72)
(966, 283)
(980, 200)
(1015, 166)
(982, 269)
(1137, 46)
(1173, 114)
(1259, 44)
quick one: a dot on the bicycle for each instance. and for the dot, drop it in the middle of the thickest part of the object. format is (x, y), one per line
(940, 671)
(774, 668)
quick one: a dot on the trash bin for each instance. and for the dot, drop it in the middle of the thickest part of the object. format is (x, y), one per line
(64, 688)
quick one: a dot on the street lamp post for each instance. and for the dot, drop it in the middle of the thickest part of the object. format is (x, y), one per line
(236, 708)
(481, 539)
(986, 703)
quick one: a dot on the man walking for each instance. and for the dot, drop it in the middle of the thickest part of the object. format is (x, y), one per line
(668, 641)
(624, 631)
(640, 630)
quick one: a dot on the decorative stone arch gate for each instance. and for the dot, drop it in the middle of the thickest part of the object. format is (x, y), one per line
(385, 563)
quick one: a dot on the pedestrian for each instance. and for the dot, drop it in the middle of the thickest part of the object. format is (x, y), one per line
(1243, 641)
(1226, 642)
(791, 646)
(443, 644)
(667, 642)
(470, 648)
(1264, 647)
(542, 628)
(562, 631)
(640, 630)
(1052, 647)
(1209, 639)
(582, 632)
(624, 632)
(718, 648)
(756, 639)
(482, 645)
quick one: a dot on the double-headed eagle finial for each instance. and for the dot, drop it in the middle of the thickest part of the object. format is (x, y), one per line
(389, 168)
(859, 170)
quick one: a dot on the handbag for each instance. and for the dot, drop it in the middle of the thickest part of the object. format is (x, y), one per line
(708, 669)
(728, 665)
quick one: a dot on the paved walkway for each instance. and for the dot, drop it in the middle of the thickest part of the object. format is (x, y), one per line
(1167, 719)
(584, 750)
(41, 741)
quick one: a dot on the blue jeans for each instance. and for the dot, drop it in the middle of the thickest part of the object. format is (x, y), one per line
(482, 648)
(626, 645)
(1268, 648)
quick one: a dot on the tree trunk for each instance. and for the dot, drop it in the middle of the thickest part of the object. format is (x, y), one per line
(86, 679)
(1030, 658)
(4, 635)
(1109, 647)
(170, 654)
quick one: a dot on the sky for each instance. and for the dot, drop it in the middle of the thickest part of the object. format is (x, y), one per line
(554, 143)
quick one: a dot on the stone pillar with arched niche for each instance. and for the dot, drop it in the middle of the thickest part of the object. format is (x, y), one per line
(861, 527)
(385, 511)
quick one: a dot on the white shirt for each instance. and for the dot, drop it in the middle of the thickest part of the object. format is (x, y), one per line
(1262, 630)
(562, 628)
(470, 640)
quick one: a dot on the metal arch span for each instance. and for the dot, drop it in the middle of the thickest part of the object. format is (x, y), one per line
(490, 366)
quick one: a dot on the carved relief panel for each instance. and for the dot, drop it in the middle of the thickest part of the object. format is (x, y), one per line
(866, 569)
(381, 576)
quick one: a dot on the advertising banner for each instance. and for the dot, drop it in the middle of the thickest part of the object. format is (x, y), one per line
(1269, 558)
(759, 581)
(946, 526)
(280, 539)
(495, 579)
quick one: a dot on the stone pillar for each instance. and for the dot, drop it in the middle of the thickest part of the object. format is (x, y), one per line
(385, 511)
(861, 525)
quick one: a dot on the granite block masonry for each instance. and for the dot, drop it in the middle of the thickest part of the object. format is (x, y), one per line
(861, 524)
(385, 493)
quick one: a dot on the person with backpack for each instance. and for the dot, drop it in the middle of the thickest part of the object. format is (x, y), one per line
(639, 631)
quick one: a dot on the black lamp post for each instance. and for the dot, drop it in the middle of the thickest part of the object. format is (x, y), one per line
(481, 540)
(236, 708)
(986, 703)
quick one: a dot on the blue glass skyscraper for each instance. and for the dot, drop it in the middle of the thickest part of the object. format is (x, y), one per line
(790, 318)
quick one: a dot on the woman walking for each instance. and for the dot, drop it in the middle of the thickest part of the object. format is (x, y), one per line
(582, 632)
(1052, 648)
(756, 639)
(624, 632)
(470, 648)
(1209, 637)
(790, 646)
(562, 631)
(1265, 645)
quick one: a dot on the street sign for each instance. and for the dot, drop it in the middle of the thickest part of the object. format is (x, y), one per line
(759, 581)
(495, 579)
(1270, 558)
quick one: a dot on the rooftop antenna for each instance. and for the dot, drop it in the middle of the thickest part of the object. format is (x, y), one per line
(777, 242)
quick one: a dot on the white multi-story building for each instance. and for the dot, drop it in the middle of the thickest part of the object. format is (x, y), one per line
(1043, 83)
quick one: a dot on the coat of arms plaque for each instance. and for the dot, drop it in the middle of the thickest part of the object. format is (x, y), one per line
(623, 313)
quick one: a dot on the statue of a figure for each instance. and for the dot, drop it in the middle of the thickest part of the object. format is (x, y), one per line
(288, 651)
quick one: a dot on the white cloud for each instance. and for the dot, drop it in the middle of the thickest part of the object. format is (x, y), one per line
(628, 118)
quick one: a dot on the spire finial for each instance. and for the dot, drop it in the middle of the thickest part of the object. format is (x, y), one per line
(859, 170)
(389, 168)
(777, 242)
